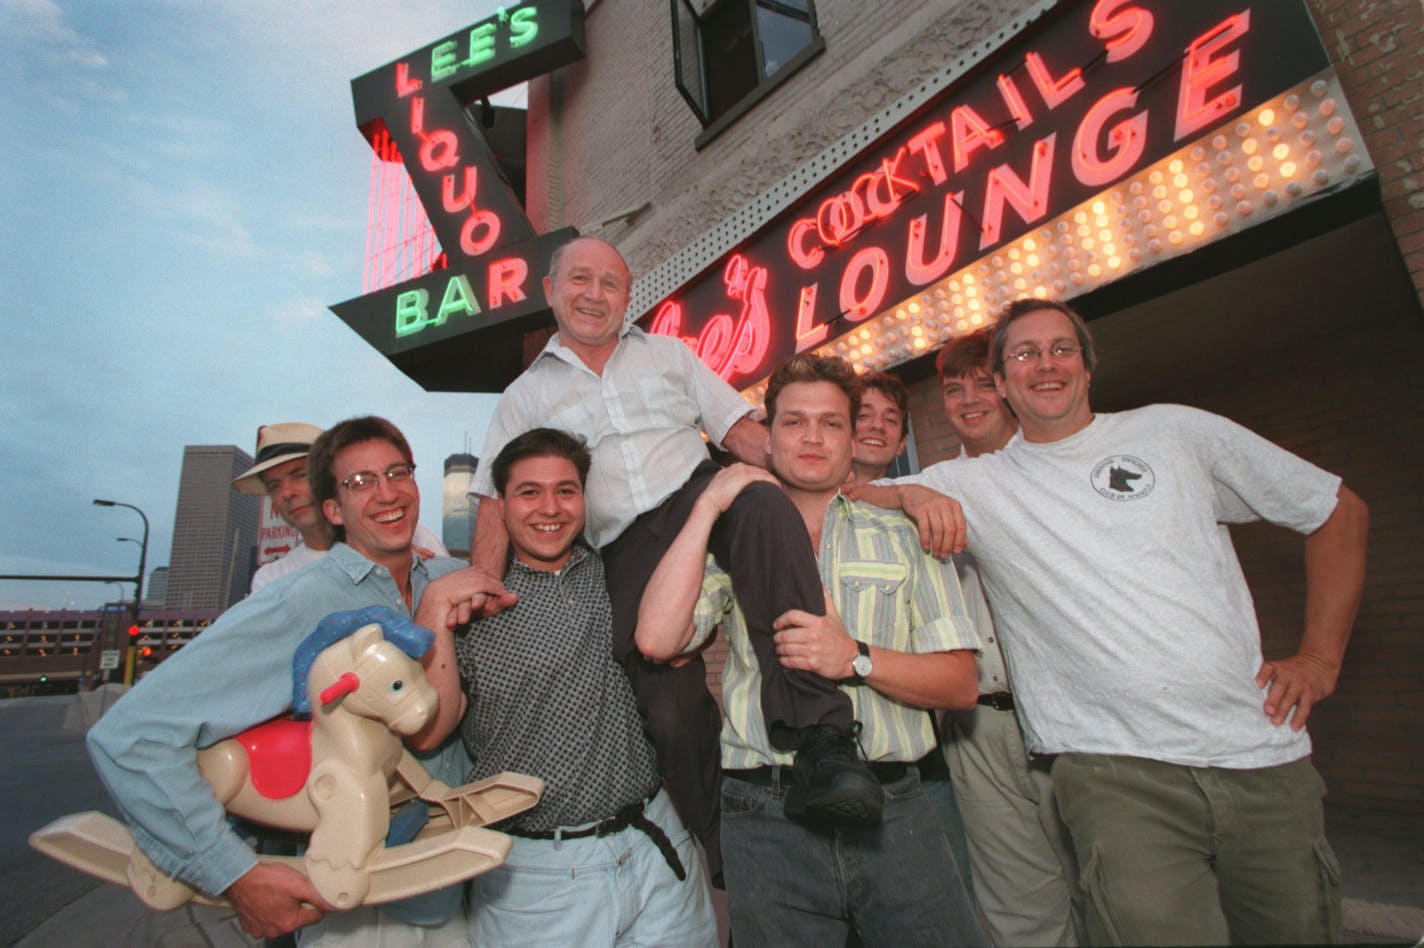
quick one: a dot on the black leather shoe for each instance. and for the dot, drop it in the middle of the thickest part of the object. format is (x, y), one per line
(834, 783)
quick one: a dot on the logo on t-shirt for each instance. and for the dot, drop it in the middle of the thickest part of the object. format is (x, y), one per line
(1123, 477)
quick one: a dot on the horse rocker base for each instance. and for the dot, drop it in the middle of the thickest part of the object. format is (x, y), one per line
(365, 691)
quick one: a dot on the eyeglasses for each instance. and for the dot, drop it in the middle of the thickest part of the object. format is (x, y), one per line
(1057, 353)
(362, 481)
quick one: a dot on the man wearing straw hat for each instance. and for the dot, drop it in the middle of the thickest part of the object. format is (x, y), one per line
(280, 472)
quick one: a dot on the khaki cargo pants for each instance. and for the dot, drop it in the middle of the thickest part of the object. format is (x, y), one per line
(1170, 854)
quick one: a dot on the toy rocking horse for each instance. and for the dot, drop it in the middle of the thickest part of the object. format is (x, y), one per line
(338, 776)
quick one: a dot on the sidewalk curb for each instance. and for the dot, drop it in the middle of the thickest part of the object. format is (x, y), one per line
(1382, 918)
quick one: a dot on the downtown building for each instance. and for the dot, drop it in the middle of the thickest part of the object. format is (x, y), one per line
(1231, 193)
(45, 651)
(458, 510)
(214, 531)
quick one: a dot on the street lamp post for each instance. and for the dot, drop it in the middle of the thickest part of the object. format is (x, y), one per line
(131, 540)
(142, 565)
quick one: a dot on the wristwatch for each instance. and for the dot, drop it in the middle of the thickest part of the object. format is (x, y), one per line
(860, 666)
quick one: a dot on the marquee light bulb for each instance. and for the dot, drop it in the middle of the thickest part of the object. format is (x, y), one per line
(1202, 192)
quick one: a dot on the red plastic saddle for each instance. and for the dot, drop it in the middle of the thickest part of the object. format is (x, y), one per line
(279, 755)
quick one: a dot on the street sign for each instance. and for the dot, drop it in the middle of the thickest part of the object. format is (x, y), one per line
(109, 659)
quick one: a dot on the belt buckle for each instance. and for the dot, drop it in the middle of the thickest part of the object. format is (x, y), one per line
(1000, 701)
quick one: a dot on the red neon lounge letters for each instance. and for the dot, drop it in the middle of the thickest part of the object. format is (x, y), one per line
(1109, 141)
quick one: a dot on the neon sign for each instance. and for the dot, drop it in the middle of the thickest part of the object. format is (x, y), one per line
(460, 326)
(1090, 95)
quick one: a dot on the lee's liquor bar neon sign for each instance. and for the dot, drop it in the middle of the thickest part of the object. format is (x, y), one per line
(460, 326)
(1096, 93)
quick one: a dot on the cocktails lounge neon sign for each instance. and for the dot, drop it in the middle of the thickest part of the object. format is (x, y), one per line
(1100, 91)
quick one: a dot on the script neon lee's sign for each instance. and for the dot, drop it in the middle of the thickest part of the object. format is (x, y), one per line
(934, 196)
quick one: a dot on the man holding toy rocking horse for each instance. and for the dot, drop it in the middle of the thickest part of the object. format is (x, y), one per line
(238, 673)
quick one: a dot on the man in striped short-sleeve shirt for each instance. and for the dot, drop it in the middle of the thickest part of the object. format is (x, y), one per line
(894, 635)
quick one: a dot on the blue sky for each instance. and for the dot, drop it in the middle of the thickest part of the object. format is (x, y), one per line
(182, 194)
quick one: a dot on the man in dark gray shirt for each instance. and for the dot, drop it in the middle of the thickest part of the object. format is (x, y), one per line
(544, 696)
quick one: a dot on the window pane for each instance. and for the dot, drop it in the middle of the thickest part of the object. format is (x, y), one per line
(729, 54)
(687, 58)
(785, 28)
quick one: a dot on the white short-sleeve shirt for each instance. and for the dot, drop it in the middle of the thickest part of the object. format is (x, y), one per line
(643, 419)
(1124, 615)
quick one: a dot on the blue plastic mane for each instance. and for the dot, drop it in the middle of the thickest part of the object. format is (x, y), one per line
(399, 630)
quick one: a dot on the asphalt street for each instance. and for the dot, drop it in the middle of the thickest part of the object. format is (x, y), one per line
(44, 774)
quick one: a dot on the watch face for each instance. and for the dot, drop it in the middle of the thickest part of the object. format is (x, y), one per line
(861, 665)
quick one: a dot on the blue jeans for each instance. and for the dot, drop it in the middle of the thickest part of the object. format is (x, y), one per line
(790, 883)
(610, 890)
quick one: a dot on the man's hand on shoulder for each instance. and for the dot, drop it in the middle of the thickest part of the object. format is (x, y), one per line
(272, 899)
(940, 518)
(1297, 683)
(455, 598)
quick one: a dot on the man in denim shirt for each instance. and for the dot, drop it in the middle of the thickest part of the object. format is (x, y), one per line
(238, 673)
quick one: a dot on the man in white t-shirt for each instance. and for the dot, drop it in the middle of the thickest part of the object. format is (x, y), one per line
(1183, 769)
(280, 472)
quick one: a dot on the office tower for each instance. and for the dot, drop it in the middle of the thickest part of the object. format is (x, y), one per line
(214, 531)
(155, 591)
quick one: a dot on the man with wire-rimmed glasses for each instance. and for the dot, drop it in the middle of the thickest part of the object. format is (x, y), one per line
(1183, 769)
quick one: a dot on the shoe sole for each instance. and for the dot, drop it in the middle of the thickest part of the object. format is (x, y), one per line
(845, 808)
(847, 811)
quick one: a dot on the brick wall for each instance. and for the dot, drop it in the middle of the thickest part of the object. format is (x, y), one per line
(1362, 419)
(620, 134)
(1378, 50)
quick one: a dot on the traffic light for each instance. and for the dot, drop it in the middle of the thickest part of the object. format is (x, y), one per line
(133, 632)
(146, 652)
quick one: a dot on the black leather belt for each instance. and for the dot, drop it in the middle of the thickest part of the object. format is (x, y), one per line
(932, 766)
(998, 700)
(763, 776)
(630, 815)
